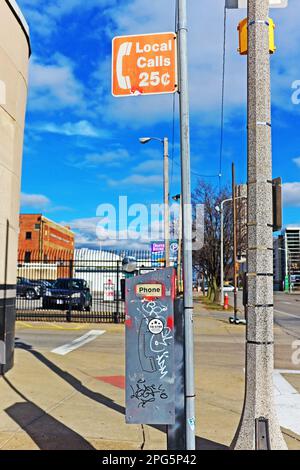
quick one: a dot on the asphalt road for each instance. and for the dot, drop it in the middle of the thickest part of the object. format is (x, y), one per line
(286, 311)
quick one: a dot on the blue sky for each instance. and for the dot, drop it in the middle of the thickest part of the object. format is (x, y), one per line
(81, 145)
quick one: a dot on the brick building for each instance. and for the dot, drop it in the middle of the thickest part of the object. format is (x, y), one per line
(41, 239)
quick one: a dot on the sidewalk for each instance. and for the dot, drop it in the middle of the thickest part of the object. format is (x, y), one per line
(63, 402)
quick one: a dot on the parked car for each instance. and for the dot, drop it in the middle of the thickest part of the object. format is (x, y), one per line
(68, 292)
(29, 289)
(228, 288)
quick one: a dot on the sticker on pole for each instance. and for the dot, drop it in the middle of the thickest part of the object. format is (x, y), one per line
(155, 326)
(144, 64)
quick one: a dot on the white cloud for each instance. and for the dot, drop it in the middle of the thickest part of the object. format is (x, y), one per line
(297, 161)
(291, 194)
(37, 201)
(137, 180)
(53, 85)
(42, 203)
(115, 157)
(88, 231)
(45, 18)
(80, 128)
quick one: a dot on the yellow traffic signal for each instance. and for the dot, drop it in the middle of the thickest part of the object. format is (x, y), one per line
(243, 36)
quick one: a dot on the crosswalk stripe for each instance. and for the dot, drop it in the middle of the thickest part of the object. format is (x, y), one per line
(77, 343)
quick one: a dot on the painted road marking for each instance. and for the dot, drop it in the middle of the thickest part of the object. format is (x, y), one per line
(116, 380)
(288, 314)
(77, 343)
(287, 400)
(48, 326)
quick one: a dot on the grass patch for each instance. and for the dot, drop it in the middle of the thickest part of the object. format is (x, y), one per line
(206, 303)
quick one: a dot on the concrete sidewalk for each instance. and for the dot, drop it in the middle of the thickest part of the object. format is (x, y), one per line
(77, 401)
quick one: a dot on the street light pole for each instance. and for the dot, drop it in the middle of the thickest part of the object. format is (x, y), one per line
(222, 250)
(259, 428)
(166, 202)
(178, 198)
(165, 142)
(234, 244)
(187, 225)
(221, 210)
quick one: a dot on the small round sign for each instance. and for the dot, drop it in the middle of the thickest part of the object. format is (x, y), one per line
(174, 247)
(155, 326)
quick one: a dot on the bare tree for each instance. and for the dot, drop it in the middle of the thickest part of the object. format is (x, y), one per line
(207, 259)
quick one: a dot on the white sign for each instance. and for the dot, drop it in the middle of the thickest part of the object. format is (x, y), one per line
(149, 290)
(244, 3)
(109, 291)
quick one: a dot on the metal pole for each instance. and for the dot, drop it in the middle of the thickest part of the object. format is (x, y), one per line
(259, 427)
(234, 243)
(179, 247)
(166, 202)
(187, 225)
(222, 254)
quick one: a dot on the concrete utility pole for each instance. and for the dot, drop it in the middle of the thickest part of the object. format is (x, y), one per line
(259, 427)
(187, 225)
(166, 202)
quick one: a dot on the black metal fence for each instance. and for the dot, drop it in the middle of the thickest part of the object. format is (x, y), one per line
(78, 290)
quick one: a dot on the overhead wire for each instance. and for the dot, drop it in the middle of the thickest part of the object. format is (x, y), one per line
(222, 100)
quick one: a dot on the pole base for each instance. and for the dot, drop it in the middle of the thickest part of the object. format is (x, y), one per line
(259, 434)
(259, 426)
(237, 321)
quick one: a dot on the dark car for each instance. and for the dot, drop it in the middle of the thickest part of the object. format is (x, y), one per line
(28, 289)
(66, 293)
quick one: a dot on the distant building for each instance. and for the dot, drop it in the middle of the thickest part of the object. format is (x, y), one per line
(287, 258)
(42, 240)
(279, 263)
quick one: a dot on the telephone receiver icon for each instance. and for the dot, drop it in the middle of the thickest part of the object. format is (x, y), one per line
(123, 80)
(147, 362)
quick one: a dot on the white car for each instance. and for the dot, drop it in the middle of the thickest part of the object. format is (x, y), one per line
(228, 288)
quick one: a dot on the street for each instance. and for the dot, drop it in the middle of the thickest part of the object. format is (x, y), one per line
(286, 311)
(66, 390)
(138, 168)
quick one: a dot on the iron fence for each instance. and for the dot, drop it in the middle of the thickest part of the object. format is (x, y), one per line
(85, 288)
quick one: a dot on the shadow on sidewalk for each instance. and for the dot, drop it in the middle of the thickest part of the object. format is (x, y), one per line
(71, 380)
(205, 444)
(201, 443)
(44, 430)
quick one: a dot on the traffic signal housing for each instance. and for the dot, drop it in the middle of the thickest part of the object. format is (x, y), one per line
(243, 36)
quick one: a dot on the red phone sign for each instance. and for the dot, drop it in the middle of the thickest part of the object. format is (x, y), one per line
(144, 64)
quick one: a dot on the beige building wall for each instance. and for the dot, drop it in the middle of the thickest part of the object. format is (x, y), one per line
(14, 58)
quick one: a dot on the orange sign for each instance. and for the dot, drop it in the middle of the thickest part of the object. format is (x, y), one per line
(144, 64)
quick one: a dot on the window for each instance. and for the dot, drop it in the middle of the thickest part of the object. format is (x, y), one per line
(37, 227)
(28, 235)
(27, 256)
